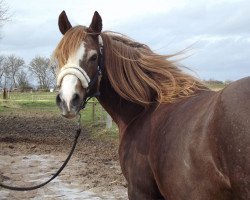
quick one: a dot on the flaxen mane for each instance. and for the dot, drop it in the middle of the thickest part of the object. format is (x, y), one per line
(135, 72)
(142, 76)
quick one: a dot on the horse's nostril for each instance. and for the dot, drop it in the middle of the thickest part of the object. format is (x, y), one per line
(75, 99)
(58, 99)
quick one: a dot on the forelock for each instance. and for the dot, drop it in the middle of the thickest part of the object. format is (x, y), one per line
(69, 44)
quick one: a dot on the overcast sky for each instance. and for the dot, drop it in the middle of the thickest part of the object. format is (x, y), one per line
(216, 32)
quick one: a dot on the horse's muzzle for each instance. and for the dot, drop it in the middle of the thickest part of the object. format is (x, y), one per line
(71, 107)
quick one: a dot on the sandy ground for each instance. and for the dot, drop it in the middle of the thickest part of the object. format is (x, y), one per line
(33, 147)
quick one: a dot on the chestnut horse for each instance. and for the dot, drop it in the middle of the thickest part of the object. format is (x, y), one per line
(178, 139)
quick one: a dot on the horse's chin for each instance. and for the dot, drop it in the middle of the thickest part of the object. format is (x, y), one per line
(70, 115)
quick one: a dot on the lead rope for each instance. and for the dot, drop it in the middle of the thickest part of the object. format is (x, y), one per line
(78, 131)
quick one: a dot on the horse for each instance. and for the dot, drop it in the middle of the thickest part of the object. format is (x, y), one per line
(178, 140)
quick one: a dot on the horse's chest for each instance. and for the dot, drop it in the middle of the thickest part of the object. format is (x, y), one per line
(133, 151)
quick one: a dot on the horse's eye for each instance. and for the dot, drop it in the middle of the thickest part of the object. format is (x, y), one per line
(93, 58)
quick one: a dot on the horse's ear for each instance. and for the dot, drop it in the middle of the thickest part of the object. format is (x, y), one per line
(63, 23)
(96, 24)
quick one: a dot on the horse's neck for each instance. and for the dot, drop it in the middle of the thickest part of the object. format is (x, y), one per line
(122, 111)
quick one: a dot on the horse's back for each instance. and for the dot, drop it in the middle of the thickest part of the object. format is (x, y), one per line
(233, 135)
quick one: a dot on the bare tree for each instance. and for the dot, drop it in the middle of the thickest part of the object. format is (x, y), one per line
(40, 66)
(53, 68)
(6, 76)
(12, 65)
(2, 59)
(23, 81)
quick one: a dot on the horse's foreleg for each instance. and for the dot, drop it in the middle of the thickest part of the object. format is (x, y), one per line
(141, 183)
(137, 193)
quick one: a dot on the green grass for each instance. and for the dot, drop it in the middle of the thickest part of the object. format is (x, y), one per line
(32, 96)
(216, 87)
(29, 101)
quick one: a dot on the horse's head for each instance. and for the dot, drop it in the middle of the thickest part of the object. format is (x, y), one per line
(78, 56)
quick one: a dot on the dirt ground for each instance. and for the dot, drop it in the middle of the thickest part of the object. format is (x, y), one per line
(34, 145)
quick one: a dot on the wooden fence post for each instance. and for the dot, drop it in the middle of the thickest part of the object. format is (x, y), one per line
(4, 93)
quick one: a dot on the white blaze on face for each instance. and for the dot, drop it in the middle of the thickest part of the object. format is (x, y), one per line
(74, 59)
(69, 82)
(68, 89)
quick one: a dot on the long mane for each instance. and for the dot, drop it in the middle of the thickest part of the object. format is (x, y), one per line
(141, 76)
(135, 72)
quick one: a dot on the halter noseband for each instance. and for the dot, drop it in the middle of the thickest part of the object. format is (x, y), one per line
(77, 71)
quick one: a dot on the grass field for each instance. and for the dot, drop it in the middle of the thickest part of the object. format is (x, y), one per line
(93, 117)
(216, 87)
(29, 101)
